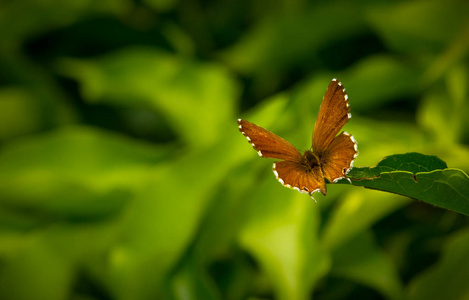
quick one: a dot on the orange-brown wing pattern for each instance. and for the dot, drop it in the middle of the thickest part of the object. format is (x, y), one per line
(333, 114)
(339, 156)
(268, 144)
(293, 175)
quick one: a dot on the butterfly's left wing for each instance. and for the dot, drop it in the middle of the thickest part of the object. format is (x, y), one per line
(290, 171)
(268, 144)
(339, 156)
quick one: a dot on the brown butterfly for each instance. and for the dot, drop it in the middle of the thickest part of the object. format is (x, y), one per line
(331, 156)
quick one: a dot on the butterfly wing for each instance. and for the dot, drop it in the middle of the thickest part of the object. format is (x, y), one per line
(294, 175)
(339, 156)
(268, 144)
(333, 114)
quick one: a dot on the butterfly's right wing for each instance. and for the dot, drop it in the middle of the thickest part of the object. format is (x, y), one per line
(333, 113)
(339, 157)
(267, 144)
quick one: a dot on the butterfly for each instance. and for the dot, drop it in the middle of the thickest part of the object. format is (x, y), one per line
(330, 157)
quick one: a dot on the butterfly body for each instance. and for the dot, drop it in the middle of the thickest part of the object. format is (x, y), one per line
(310, 160)
(331, 156)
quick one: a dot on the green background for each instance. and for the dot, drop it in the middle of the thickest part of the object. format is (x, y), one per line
(123, 174)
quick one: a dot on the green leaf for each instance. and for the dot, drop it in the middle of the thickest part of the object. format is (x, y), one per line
(361, 260)
(411, 162)
(161, 5)
(281, 232)
(418, 176)
(188, 94)
(418, 26)
(356, 213)
(442, 111)
(165, 215)
(19, 113)
(43, 263)
(37, 17)
(448, 278)
(379, 79)
(35, 270)
(214, 243)
(191, 282)
(73, 173)
(263, 49)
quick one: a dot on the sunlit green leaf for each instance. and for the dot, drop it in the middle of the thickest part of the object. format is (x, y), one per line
(165, 215)
(75, 172)
(442, 111)
(434, 115)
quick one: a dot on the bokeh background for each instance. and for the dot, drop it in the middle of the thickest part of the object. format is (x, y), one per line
(123, 174)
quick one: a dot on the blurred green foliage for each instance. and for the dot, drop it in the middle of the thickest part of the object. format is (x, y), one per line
(123, 174)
